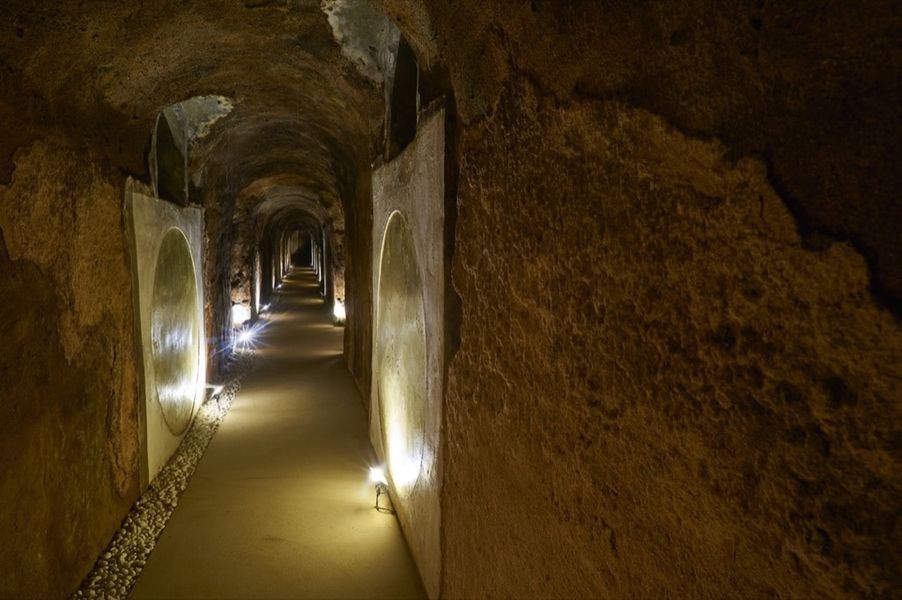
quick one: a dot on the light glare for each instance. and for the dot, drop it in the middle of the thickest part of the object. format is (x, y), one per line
(240, 315)
(248, 337)
(339, 311)
(377, 475)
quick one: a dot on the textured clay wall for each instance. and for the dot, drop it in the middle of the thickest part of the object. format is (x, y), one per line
(659, 390)
(358, 340)
(677, 233)
(68, 412)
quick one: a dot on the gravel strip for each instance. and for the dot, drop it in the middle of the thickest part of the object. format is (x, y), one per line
(117, 569)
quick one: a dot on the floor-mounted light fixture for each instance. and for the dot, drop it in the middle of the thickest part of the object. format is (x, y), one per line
(247, 337)
(240, 315)
(338, 312)
(377, 478)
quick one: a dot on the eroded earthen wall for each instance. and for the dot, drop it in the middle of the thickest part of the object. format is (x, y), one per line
(675, 249)
(68, 414)
(659, 390)
(358, 339)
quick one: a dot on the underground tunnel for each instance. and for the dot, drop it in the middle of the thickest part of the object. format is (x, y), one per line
(419, 299)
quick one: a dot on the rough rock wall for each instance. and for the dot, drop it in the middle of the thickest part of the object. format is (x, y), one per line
(659, 389)
(218, 238)
(68, 412)
(677, 226)
(338, 264)
(358, 340)
(241, 263)
(811, 87)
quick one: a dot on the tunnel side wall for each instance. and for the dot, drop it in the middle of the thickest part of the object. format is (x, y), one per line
(677, 235)
(358, 334)
(411, 187)
(150, 219)
(659, 389)
(68, 409)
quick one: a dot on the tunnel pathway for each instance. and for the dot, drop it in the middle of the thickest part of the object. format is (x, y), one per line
(280, 506)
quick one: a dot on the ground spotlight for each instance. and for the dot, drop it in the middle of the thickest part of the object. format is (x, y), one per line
(377, 478)
(240, 315)
(377, 475)
(247, 337)
(338, 312)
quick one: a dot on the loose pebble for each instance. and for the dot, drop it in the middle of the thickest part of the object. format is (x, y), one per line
(120, 564)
